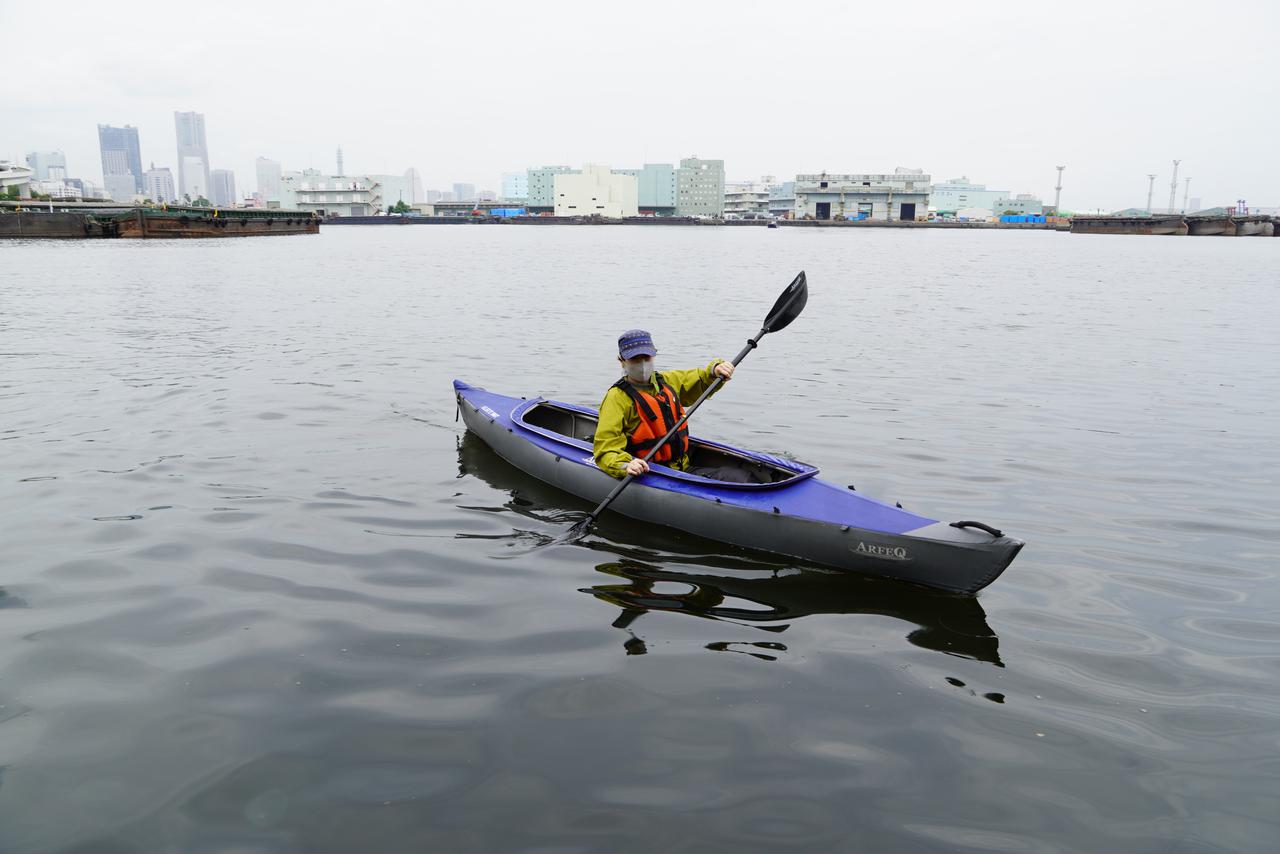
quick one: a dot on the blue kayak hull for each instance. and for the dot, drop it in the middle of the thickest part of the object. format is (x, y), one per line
(801, 516)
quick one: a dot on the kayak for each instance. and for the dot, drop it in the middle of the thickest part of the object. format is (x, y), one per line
(787, 510)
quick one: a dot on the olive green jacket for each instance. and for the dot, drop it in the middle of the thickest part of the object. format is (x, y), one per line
(619, 419)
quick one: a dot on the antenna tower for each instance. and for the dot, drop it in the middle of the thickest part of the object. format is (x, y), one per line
(340, 172)
(1057, 191)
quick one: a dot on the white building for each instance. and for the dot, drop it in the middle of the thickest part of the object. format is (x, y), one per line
(956, 194)
(902, 195)
(746, 199)
(13, 176)
(269, 176)
(193, 155)
(42, 161)
(515, 186)
(1023, 203)
(223, 188)
(331, 195)
(120, 188)
(159, 185)
(596, 191)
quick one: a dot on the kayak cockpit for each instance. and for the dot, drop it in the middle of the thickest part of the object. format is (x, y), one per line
(576, 426)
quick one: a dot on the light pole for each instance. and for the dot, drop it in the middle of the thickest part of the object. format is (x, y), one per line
(1057, 191)
(1151, 189)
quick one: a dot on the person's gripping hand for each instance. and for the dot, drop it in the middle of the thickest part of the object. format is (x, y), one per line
(724, 371)
(637, 467)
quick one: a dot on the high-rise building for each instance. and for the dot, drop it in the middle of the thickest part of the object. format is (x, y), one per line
(700, 187)
(41, 161)
(121, 156)
(268, 178)
(120, 188)
(193, 155)
(160, 188)
(464, 192)
(415, 184)
(223, 184)
(515, 185)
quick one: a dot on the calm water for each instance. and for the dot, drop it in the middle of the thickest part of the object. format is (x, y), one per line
(259, 592)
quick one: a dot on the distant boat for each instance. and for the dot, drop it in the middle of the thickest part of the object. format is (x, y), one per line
(773, 224)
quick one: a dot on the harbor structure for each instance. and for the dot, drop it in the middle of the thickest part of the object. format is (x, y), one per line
(1021, 204)
(902, 195)
(159, 185)
(342, 195)
(223, 186)
(596, 191)
(949, 197)
(700, 187)
(81, 221)
(41, 162)
(121, 156)
(193, 155)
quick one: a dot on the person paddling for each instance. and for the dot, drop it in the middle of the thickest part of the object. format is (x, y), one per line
(639, 409)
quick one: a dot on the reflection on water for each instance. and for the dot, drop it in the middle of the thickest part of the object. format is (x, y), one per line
(719, 582)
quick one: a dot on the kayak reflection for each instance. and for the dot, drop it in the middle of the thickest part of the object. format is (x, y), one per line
(714, 581)
(955, 625)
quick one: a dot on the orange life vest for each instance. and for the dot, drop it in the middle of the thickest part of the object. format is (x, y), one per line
(658, 414)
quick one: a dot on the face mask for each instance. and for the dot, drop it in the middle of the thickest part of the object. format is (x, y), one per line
(639, 372)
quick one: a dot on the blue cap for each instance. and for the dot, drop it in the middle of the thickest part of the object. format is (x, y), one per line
(636, 342)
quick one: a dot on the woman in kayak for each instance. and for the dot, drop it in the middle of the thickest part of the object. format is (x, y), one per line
(639, 409)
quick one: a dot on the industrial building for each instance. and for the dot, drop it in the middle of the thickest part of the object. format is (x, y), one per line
(656, 188)
(1023, 203)
(782, 200)
(747, 199)
(957, 194)
(902, 195)
(700, 187)
(596, 191)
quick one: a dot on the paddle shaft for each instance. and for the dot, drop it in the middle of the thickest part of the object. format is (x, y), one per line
(752, 343)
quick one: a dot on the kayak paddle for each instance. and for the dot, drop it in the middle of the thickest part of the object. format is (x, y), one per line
(786, 309)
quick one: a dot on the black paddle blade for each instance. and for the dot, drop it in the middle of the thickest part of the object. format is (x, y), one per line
(789, 305)
(574, 534)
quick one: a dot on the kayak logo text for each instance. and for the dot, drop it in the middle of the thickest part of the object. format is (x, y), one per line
(887, 552)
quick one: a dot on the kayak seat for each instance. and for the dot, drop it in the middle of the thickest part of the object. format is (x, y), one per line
(706, 459)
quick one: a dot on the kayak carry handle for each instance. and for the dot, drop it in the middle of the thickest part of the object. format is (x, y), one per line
(995, 532)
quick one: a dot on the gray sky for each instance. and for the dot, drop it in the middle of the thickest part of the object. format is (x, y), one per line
(1000, 92)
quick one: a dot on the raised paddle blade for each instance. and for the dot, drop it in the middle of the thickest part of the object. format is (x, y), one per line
(789, 305)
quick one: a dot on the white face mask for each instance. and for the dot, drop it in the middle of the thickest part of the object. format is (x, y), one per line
(639, 372)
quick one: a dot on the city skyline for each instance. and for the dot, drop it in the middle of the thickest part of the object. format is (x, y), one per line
(1006, 122)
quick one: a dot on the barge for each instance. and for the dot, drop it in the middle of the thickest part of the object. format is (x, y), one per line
(67, 222)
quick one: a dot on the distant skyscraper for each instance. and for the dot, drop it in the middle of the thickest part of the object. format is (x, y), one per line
(223, 184)
(193, 155)
(340, 173)
(464, 192)
(121, 155)
(268, 178)
(434, 196)
(160, 186)
(415, 184)
(41, 161)
(515, 185)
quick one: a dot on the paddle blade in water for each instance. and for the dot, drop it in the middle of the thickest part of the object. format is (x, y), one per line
(789, 305)
(574, 534)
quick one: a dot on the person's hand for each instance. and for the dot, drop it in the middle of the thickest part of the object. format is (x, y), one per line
(724, 371)
(637, 467)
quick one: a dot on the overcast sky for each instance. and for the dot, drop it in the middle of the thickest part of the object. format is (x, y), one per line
(1000, 92)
